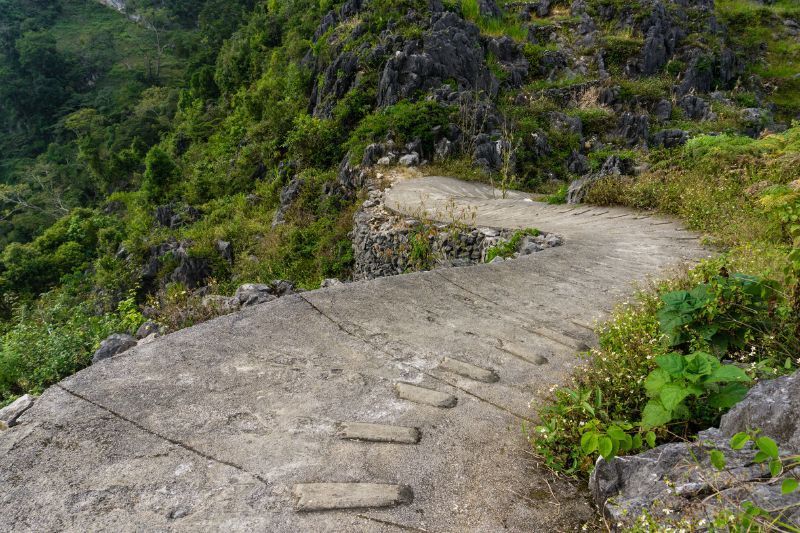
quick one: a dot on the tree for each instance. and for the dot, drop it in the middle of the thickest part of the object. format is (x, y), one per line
(159, 172)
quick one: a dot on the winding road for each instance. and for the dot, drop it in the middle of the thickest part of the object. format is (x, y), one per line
(395, 404)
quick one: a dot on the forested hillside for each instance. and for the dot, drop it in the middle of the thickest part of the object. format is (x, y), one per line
(156, 158)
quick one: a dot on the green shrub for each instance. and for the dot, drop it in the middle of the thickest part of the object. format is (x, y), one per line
(698, 377)
(406, 121)
(54, 338)
(314, 142)
(558, 197)
(159, 175)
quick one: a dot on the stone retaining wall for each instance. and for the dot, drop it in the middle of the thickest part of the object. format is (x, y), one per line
(387, 244)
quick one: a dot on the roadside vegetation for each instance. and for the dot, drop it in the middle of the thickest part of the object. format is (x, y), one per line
(672, 361)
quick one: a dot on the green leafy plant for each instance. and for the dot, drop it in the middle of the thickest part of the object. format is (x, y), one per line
(558, 197)
(679, 378)
(717, 315)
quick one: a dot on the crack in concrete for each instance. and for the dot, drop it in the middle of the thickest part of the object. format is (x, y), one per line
(390, 523)
(421, 370)
(156, 434)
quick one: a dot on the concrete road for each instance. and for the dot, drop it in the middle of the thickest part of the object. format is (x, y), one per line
(388, 405)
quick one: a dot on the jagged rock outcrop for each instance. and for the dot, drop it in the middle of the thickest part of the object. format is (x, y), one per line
(669, 138)
(11, 412)
(114, 345)
(695, 107)
(677, 481)
(289, 194)
(449, 51)
(613, 166)
(633, 129)
(190, 270)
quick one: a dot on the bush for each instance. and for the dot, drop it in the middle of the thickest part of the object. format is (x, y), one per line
(406, 121)
(314, 142)
(48, 341)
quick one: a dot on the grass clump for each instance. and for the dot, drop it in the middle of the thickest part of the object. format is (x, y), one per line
(492, 26)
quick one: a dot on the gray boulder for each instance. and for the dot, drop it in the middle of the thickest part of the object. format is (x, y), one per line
(695, 107)
(771, 406)
(282, 287)
(755, 120)
(192, 272)
(147, 329)
(10, 413)
(444, 149)
(670, 138)
(663, 110)
(633, 129)
(578, 163)
(510, 59)
(114, 345)
(253, 294)
(259, 293)
(674, 481)
(410, 160)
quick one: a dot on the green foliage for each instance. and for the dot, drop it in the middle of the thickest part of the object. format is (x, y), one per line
(493, 26)
(407, 121)
(638, 383)
(606, 391)
(314, 142)
(420, 253)
(159, 175)
(66, 247)
(50, 340)
(558, 197)
(718, 315)
(696, 377)
(620, 48)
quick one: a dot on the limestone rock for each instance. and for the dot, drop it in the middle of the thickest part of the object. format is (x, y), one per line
(663, 110)
(679, 476)
(670, 138)
(410, 160)
(450, 50)
(147, 329)
(114, 345)
(771, 406)
(10, 413)
(253, 294)
(633, 129)
(695, 107)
